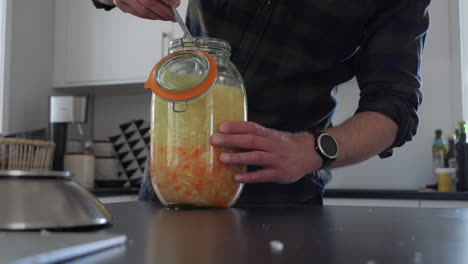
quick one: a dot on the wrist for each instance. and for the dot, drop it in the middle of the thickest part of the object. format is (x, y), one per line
(313, 160)
(326, 146)
(107, 2)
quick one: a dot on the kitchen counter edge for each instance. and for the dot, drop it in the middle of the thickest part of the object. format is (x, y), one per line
(334, 193)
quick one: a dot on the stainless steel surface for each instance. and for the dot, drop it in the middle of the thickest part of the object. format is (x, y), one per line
(181, 23)
(68, 109)
(87, 141)
(46, 174)
(46, 203)
(53, 247)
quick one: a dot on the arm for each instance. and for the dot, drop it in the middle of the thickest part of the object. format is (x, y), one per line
(149, 9)
(287, 157)
(387, 70)
(364, 135)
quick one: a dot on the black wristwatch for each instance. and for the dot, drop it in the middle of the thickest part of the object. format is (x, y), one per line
(326, 147)
(100, 5)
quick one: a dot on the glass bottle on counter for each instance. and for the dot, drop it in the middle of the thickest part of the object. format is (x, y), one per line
(439, 150)
(450, 157)
(195, 89)
(460, 150)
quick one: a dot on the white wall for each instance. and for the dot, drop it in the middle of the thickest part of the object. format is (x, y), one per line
(463, 17)
(30, 65)
(5, 47)
(110, 111)
(410, 166)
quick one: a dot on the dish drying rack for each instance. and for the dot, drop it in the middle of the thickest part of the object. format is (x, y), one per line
(26, 154)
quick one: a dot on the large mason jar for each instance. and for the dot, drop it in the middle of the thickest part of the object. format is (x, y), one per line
(195, 88)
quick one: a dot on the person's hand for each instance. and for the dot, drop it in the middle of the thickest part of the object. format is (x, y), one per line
(284, 157)
(149, 9)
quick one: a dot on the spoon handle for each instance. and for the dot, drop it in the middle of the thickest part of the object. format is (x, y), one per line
(181, 23)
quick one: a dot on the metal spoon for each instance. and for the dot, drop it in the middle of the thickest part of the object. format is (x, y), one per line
(181, 23)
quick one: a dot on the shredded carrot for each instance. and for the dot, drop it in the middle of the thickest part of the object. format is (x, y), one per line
(182, 175)
(216, 170)
(195, 153)
(181, 151)
(197, 186)
(200, 171)
(172, 177)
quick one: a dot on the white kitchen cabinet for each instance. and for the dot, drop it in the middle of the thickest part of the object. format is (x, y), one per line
(118, 199)
(95, 47)
(396, 203)
(443, 204)
(371, 202)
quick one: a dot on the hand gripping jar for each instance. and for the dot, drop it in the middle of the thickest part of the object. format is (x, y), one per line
(195, 88)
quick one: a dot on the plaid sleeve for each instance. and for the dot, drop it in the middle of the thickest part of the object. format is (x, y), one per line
(388, 67)
(146, 192)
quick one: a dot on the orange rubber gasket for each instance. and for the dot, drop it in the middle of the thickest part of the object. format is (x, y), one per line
(188, 94)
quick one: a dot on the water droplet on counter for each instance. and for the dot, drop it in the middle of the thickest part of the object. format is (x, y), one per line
(44, 232)
(418, 258)
(276, 246)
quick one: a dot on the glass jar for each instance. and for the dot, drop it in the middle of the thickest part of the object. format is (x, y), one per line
(195, 88)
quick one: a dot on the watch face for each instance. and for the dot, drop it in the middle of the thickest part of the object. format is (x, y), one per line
(329, 146)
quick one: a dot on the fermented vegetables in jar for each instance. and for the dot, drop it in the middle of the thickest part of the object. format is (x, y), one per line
(195, 88)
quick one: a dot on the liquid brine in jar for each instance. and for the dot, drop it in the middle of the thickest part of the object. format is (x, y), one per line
(199, 88)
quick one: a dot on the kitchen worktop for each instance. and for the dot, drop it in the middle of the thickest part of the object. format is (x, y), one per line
(395, 194)
(335, 193)
(316, 234)
(103, 192)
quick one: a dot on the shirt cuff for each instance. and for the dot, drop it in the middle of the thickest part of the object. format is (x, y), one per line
(100, 5)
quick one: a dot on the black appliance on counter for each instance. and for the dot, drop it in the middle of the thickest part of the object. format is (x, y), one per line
(64, 110)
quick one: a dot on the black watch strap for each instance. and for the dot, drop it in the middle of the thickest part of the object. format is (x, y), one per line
(100, 5)
(326, 158)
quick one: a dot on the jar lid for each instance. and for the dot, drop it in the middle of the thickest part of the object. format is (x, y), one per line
(183, 75)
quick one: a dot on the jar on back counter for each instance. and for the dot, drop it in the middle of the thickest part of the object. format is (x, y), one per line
(195, 88)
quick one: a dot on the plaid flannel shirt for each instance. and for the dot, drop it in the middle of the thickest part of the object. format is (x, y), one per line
(293, 55)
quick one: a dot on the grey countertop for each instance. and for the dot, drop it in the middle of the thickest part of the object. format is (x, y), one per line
(314, 234)
(335, 193)
(396, 194)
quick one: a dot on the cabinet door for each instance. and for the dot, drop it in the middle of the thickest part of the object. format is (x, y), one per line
(95, 47)
(443, 204)
(118, 199)
(370, 202)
